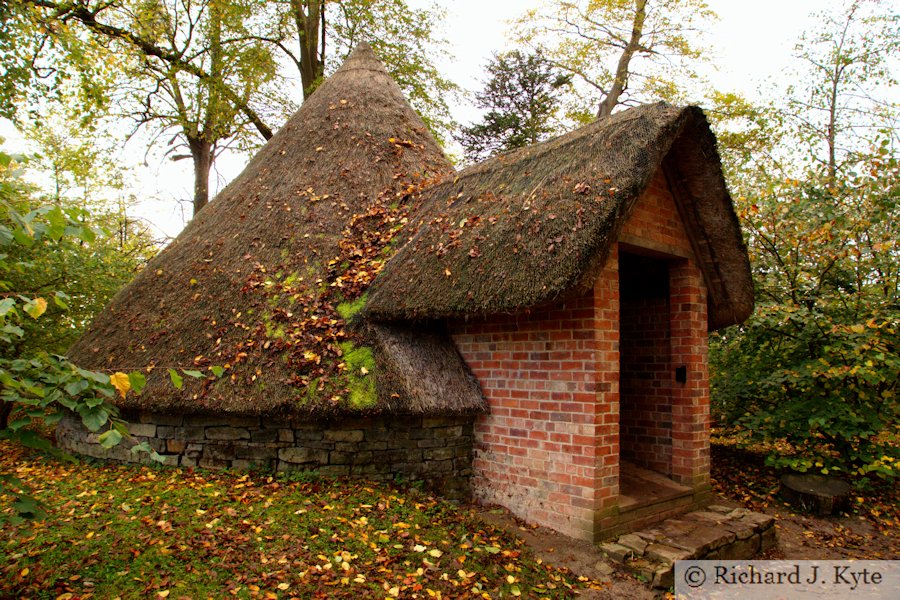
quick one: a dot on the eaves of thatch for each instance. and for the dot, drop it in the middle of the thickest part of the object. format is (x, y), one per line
(262, 283)
(534, 225)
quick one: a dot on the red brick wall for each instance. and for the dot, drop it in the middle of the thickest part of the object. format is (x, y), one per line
(549, 449)
(537, 451)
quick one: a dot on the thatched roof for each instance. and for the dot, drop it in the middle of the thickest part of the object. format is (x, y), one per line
(264, 279)
(536, 224)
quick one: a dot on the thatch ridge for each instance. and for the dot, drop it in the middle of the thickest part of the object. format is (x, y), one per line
(530, 226)
(262, 280)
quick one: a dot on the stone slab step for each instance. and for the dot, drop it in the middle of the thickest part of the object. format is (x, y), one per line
(717, 533)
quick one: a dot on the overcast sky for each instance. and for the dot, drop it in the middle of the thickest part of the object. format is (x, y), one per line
(751, 43)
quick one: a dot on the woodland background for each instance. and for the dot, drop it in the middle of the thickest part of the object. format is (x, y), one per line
(810, 380)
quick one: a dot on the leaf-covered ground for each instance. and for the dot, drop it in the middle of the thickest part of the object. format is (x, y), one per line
(871, 530)
(141, 532)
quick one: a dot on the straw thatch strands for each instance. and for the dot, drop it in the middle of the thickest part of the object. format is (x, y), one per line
(533, 225)
(262, 283)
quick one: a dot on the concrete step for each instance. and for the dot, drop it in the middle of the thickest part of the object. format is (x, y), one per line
(716, 533)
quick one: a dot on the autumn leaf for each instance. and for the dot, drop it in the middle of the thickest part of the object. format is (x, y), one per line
(121, 382)
(35, 308)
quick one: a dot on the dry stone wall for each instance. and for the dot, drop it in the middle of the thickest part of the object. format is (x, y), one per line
(435, 450)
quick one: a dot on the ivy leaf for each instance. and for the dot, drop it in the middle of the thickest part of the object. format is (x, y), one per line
(51, 419)
(194, 374)
(31, 439)
(217, 371)
(76, 387)
(19, 424)
(14, 330)
(57, 221)
(59, 298)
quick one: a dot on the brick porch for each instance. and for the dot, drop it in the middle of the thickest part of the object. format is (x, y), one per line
(578, 388)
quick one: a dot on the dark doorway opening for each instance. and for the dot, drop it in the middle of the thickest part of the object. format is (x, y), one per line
(646, 378)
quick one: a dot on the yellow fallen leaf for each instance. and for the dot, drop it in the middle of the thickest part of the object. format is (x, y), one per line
(162, 594)
(283, 586)
(24, 572)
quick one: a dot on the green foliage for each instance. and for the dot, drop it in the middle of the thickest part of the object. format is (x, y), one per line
(818, 364)
(520, 97)
(43, 66)
(814, 374)
(72, 260)
(193, 71)
(38, 385)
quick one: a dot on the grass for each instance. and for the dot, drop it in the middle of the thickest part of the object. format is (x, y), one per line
(143, 532)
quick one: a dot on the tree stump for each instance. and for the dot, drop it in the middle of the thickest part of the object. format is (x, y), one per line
(816, 494)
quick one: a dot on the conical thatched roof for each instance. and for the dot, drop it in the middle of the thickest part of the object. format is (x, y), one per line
(533, 225)
(264, 278)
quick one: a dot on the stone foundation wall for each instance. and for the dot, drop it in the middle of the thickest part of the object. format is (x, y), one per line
(437, 451)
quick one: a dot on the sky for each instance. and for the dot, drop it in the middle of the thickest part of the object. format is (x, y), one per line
(751, 44)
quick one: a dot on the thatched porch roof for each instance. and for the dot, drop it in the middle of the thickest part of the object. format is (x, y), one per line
(264, 280)
(533, 225)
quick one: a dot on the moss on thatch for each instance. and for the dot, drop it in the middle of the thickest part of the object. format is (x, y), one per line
(536, 224)
(263, 279)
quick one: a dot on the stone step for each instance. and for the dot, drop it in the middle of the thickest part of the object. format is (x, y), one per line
(717, 533)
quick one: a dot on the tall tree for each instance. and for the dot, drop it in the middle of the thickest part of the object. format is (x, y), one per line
(198, 110)
(624, 51)
(817, 365)
(521, 103)
(842, 96)
(317, 35)
(203, 69)
(167, 65)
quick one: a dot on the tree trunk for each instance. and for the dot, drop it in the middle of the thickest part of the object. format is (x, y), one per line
(308, 16)
(201, 152)
(620, 81)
